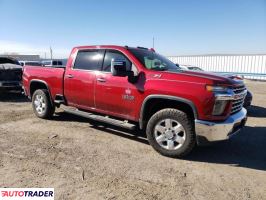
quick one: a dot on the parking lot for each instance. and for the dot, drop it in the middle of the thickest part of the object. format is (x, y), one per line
(83, 159)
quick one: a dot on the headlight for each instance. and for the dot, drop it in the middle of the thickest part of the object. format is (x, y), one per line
(213, 88)
(222, 95)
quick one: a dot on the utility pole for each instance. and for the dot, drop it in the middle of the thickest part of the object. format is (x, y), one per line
(51, 53)
(153, 42)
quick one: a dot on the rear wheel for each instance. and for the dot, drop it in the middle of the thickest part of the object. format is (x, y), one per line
(42, 105)
(171, 133)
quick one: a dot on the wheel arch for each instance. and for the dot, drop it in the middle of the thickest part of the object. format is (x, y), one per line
(36, 84)
(167, 101)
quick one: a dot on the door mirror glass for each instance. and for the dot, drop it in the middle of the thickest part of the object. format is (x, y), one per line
(119, 67)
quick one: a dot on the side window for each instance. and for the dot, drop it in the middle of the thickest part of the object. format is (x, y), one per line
(89, 60)
(111, 54)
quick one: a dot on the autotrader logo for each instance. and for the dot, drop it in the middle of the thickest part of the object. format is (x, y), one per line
(27, 193)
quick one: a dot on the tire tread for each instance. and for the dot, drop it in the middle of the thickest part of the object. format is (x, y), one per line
(186, 122)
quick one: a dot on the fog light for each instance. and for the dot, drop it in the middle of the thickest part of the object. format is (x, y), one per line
(219, 107)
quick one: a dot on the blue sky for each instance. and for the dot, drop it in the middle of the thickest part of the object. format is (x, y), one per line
(180, 27)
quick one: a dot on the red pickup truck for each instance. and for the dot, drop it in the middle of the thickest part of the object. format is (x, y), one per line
(137, 88)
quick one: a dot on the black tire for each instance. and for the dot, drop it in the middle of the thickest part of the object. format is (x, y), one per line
(188, 127)
(48, 108)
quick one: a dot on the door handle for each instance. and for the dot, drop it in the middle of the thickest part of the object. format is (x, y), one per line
(69, 76)
(101, 79)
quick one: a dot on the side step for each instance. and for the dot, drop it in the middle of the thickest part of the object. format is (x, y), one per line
(100, 118)
(59, 99)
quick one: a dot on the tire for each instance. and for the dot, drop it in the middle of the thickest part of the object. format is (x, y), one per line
(171, 133)
(42, 105)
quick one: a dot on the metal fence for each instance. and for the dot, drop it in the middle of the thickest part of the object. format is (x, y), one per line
(249, 66)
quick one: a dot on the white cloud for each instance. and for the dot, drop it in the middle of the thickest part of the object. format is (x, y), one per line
(8, 47)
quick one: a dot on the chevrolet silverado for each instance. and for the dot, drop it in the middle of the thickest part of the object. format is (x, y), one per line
(137, 88)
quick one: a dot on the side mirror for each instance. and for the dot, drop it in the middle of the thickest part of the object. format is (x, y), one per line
(119, 68)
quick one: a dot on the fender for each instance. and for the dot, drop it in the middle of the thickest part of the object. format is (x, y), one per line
(41, 81)
(168, 97)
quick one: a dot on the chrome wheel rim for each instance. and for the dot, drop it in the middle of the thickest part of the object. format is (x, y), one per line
(39, 104)
(169, 134)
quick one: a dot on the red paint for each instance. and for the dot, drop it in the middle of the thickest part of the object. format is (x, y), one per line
(84, 91)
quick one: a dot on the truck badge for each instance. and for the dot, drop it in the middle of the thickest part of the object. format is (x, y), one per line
(128, 95)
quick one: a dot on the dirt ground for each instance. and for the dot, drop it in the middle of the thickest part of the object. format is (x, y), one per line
(83, 159)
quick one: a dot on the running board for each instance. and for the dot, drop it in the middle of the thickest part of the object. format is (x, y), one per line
(100, 118)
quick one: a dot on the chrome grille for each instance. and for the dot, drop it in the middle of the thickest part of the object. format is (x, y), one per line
(238, 103)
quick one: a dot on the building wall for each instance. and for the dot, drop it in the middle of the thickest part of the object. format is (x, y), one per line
(241, 64)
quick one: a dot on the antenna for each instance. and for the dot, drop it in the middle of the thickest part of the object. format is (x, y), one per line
(51, 53)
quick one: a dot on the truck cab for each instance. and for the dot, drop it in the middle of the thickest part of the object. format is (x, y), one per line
(137, 88)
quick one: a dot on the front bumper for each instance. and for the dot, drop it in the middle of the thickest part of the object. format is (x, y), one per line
(207, 131)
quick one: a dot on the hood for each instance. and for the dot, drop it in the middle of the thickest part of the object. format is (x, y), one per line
(9, 66)
(202, 77)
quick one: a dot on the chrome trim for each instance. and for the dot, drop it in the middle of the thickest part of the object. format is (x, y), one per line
(224, 97)
(230, 95)
(216, 131)
(240, 95)
(239, 99)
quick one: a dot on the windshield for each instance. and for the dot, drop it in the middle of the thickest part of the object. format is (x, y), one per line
(153, 61)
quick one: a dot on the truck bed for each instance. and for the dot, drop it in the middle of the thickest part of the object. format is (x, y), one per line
(51, 76)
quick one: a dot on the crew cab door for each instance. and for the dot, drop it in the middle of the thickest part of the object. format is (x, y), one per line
(115, 95)
(79, 81)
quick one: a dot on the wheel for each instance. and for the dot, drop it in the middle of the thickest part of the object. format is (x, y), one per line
(42, 105)
(171, 133)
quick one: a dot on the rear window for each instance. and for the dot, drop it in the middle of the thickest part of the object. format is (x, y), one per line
(89, 60)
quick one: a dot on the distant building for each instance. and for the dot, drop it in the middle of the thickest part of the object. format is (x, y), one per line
(23, 57)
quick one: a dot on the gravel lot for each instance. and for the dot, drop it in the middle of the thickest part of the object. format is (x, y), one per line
(83, 159)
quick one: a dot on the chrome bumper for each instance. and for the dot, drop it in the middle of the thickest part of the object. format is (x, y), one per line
(216, 131)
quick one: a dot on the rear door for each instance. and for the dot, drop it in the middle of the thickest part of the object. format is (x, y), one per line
(80, 78)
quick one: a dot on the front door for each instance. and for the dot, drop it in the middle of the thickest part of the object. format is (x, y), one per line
(114, 94)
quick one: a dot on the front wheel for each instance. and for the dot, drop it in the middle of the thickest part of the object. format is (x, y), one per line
(42, 105)
(171, 133)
